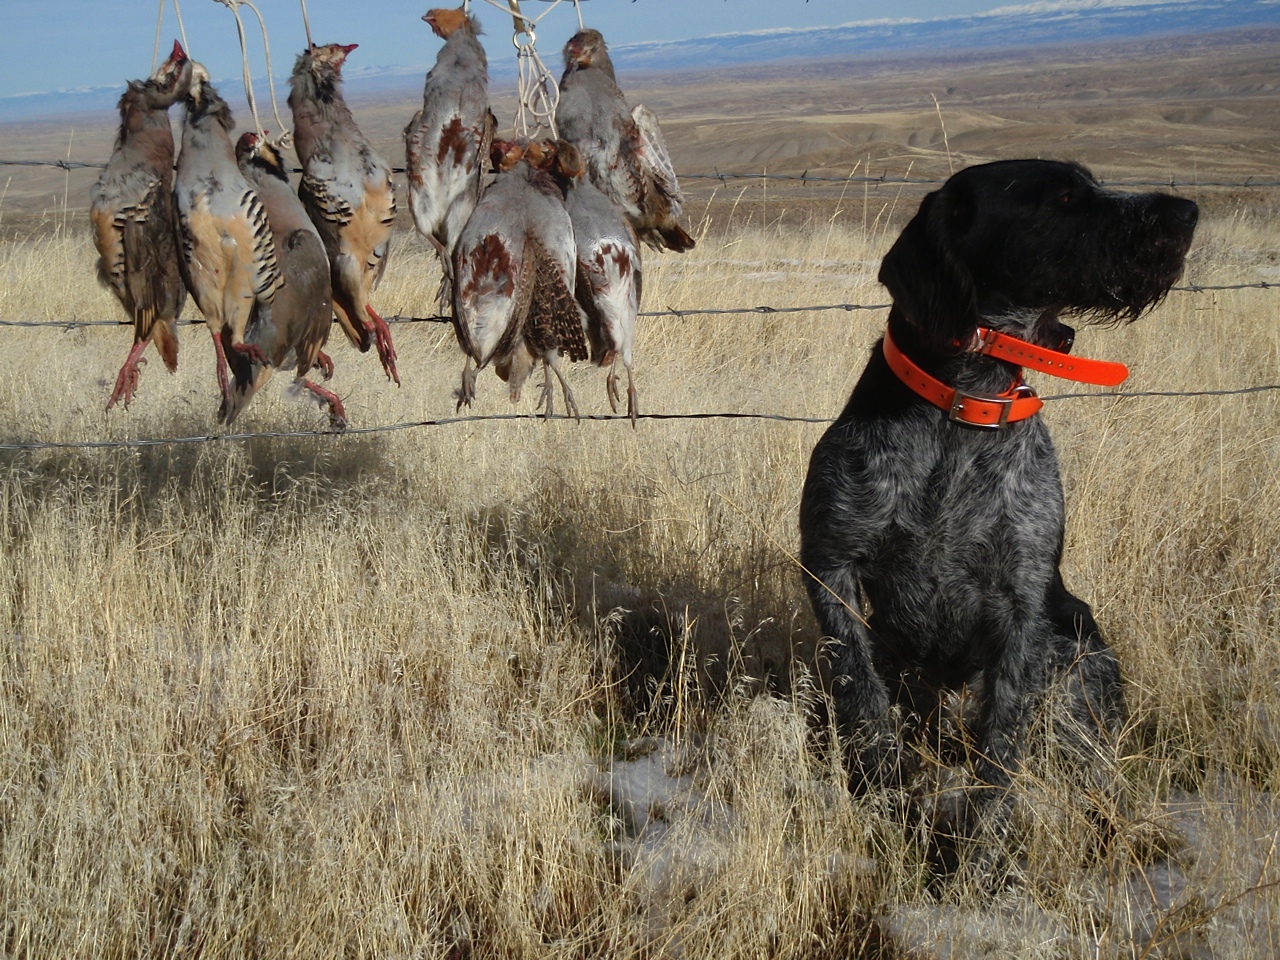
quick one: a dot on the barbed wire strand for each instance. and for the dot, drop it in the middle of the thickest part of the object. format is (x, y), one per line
(1249, 183)
(678, 312)
(35, 445)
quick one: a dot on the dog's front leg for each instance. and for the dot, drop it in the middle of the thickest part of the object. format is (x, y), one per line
(872, 747)
(978, 851)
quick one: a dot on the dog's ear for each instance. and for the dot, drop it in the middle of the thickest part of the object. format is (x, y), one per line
(928, 280)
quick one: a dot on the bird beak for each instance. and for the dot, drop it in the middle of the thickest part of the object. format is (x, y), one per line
(179, 55)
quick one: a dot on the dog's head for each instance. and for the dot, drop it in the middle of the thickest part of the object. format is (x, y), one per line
(1015, 243)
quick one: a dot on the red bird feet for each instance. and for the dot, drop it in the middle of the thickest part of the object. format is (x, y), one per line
(130, 373)
(386, 349)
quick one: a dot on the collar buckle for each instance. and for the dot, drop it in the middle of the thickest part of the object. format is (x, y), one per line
(1019, 391)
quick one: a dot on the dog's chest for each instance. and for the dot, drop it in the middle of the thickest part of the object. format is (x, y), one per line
(967, 533)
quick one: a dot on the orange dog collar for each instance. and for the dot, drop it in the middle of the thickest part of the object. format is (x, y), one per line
(1017, 403)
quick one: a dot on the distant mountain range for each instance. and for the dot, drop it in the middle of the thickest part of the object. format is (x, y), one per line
(1065, 22)
(1050, 22)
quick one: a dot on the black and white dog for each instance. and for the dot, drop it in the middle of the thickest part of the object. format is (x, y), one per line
(931, 525)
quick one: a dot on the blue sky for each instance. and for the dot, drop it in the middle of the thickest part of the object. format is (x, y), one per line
(66, 44)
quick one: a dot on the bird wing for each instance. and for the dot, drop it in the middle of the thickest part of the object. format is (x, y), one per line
(151, 261)
(326, 205)
(655, 162)
(555, 321)
(303, 309)
(230, 255)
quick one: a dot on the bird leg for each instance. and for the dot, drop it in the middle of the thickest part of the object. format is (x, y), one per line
(337, 414)
(633, 399)
(611, 385)
(445, 293)
(467, 392)
(324, 364)
(127, 381)
(224, 381)
(386, 351)
(551, 361)
(547, 395)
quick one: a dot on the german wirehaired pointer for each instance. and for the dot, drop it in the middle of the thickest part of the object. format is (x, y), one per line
(931, 524)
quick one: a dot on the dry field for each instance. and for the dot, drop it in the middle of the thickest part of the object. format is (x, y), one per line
(361, 695)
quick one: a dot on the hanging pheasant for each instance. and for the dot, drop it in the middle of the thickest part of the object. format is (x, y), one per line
(347, 191)
(135, 224)
(514, 269)
(298, 319)
(227, 245)
(447, 141)
(623, 149)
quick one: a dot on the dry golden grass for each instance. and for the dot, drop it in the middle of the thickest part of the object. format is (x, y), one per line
(329, 696)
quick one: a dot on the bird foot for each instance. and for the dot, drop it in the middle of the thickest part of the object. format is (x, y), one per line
(325, 365)
(467, 392)
(252, 351)
(546, 397)
(127, 381)
(386, 350)
(570, 404)
(337, 413)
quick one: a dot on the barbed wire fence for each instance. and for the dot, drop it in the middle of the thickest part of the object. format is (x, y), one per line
(724, 177)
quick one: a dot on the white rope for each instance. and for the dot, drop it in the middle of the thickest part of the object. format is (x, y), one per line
(538, 90)
(155, 52)
(234, 7)
(306, 25)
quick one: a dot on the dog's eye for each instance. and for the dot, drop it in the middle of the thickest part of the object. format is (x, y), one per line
(1065, 198)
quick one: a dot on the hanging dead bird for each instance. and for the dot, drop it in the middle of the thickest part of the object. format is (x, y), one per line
(135, 223)
(608, 283)
(227, 245)
(347, 191)
(514, 269)
(447, 141)
(623, 149)
(298, 319)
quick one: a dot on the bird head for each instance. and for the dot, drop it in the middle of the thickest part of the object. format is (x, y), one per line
(250, 144)
(199, 85)
(258, 147)
(505, 154)
(584, 49)
(538, 153)
(567, 163)
(331, 56)
(444, 22)
(172, 79)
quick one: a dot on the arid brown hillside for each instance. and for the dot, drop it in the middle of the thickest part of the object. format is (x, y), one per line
(1184, 109)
